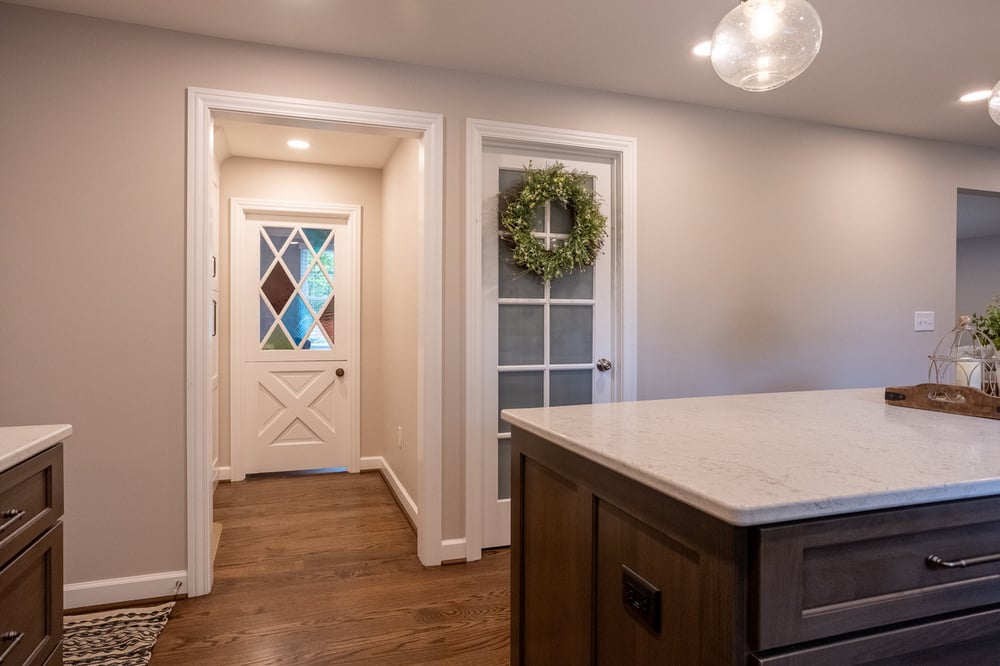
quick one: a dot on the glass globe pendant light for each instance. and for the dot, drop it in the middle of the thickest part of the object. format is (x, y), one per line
(994, 103)
(763, 44)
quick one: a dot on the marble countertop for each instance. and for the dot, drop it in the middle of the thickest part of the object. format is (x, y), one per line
(765, 458)
(18, 443)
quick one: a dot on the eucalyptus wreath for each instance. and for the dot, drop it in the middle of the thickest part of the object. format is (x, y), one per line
(561, 187)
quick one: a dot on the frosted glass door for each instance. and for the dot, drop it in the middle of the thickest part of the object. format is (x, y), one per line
(548, 334)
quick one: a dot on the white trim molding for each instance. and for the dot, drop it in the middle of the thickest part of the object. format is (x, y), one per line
(380, 464)
(621, 151)
(202, 103)
(123, 590)
(239, 208)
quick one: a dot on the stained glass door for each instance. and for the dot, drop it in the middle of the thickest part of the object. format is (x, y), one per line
(296, 288)
(546, 336)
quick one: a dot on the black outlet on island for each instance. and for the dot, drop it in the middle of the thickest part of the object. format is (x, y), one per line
(641, 599)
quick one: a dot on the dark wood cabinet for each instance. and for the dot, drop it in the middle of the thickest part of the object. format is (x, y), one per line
(31, 561)
(606, 570)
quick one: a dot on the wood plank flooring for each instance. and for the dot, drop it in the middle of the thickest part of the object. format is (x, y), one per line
(322, 569)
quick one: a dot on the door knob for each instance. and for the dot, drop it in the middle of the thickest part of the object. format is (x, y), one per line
(604, 364)
(340, 372)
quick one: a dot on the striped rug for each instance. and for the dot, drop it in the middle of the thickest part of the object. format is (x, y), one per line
(122, 637)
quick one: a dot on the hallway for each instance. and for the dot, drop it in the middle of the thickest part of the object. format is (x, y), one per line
(322, 569)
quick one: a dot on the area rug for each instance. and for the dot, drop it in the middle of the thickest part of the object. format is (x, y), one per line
(122, 637)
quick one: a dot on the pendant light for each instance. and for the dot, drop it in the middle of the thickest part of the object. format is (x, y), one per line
(763, 44)
(994, 103)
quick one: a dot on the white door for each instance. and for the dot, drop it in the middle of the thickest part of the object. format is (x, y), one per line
(294, 292)
(542, 339)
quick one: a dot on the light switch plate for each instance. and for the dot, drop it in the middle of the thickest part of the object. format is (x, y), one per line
(923, 321)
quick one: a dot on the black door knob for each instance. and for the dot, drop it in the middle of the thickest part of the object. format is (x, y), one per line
(340, 372)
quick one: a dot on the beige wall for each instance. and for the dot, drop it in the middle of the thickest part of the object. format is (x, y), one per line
(400, 240)
(772, 254)
(291, 181)
(978, 273)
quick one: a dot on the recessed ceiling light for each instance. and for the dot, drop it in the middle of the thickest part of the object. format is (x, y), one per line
(703, 49)
(298, 144)
(975, 96)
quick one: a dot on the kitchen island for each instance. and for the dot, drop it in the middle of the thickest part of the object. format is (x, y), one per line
(793, 528)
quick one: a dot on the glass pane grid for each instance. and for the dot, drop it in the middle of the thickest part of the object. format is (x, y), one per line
(296, 288)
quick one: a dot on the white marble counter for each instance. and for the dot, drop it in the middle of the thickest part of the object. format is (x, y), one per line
(18, 443)
(757, 459)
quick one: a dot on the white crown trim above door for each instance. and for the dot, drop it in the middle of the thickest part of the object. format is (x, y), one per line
(620, 152)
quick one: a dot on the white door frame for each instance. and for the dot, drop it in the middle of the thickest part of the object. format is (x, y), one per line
(201, 104)
(239, 208)
(621, 151)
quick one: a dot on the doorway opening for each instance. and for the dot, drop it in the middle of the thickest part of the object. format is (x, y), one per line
(977, 275)
(424, 133)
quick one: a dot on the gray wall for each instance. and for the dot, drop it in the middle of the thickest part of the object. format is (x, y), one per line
(772, 255)
(978, 273)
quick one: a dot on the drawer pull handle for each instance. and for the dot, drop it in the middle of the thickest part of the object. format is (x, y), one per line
(14, 636)
(10, 517)
(935, 562)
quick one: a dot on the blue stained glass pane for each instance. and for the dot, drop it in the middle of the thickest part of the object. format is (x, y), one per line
(278, 236)
(317, 237)
(266, 256)
(296, 256)
(266, 319)
(297, 320)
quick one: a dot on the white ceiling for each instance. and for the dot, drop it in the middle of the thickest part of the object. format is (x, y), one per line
(893, 66)
(254, 138)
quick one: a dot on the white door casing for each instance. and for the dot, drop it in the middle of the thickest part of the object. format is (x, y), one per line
(295, 394)
(202, 103)
(584, 151)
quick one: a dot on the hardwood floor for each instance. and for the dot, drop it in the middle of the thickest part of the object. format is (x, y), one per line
(323, 570)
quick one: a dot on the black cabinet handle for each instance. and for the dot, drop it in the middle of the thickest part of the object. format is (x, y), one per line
(935, 562)
(15, 637)
(10, 516)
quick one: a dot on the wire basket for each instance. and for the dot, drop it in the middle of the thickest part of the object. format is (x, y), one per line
(966, 357)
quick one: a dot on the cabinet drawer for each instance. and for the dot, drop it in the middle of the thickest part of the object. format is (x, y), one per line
(827, 577)
(31, 500)
(956, 641)
(29, 610)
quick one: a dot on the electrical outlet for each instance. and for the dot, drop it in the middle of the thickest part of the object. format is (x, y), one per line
(923, 321)
(399, 437)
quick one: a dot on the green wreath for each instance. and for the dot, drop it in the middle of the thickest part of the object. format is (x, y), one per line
(562, 187)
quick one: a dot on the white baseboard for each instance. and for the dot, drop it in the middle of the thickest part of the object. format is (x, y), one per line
(381, 464)
(453, 549)
(223, 473)
(123, 590)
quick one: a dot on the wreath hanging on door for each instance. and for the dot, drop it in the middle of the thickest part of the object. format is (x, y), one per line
(565, 188)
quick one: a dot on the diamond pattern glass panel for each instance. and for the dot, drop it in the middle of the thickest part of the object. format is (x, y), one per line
(317, 288)
(278, 236)
(317, 339)
(326, 320)
(316, 237)
(296, 256)
(297, 320)
(266, 256)
(278, 340)
(266, 319)
(277, 288)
